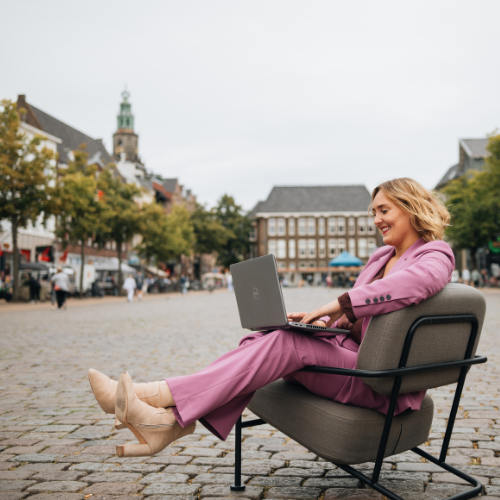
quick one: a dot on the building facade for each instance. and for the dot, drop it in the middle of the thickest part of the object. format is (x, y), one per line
(306, 227)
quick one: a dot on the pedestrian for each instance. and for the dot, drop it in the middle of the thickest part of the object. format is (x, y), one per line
(229, 281)
(34, 286)
(476, 278)
(61, 286)
(328, 280)
(413, 265)
(130, 286)
(183, 283)
(139, 281)
(455, 276)
(465, 276)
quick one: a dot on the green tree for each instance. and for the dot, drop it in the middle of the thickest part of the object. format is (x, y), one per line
(210, 234)
(82, 215)
(474, 204)
(122, 213)
(238, 226)
(26, 170)
(165, 237)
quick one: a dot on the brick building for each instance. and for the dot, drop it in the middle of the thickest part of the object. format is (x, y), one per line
(307, 226)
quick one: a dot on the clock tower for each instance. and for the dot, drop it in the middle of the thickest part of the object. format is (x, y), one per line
(125, 140)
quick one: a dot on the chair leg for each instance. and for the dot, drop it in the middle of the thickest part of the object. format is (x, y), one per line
(237, 486)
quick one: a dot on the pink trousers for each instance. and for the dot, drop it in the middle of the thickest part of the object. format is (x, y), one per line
(217, 395)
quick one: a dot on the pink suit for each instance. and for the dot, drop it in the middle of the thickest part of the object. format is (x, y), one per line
(217, 395)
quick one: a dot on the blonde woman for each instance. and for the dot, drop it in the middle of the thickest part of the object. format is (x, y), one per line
(414, 265)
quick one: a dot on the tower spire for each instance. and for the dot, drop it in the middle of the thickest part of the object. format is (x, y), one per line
(125, 140)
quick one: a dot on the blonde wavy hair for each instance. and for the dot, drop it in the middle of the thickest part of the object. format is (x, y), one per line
(428, 215)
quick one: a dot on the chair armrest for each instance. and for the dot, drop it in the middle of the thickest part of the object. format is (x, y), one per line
(397, 371)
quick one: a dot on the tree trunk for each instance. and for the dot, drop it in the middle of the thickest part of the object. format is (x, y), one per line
(473, 252)
(15, 271)
(82, 256)
(120, 278)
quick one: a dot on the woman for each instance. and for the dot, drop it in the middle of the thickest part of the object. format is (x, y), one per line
(61, 287)
(129, 286)
(413, 266)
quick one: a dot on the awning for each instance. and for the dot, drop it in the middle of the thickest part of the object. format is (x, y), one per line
(156, 271)
(345, 259)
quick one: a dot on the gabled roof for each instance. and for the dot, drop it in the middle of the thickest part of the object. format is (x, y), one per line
(71, 137)
(476, 148)
(315, 199)
(170, 184)
(451, 174)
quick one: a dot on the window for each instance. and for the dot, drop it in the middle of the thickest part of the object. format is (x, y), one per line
(291, 249)
(371, 226)
(253, 235)
(352, 246)
(271, 247)
(291, 227)
(302, 249)
(362, 248)
(321, 226)
(341, 225)
(352, 225)
(322, 263)
(281, 254)
(311, 226)
(341, 245)
(321, 249)
(281, 227)
(332, 225)
(302, 265)
(281, 264)
(271, 226)
(362, 229)
(332, 248)
(372, 245)
(302, 226)
(312, 263)
(291, 265)
(311, 248)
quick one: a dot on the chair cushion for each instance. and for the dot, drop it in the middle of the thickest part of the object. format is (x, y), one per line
(340, 433)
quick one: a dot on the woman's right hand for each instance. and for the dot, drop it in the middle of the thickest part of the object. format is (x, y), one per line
(298, 317)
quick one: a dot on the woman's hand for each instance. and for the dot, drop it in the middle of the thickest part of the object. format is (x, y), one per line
(300, 315)
(333, 310)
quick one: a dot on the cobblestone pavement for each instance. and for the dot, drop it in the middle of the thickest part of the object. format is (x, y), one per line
(56, 443)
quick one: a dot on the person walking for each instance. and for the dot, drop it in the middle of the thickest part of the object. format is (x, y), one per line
(184, 284)
(129, 285)
(413, 265)
(476, 278)
(34, 286)
(455, 276)
(61, 287)
(139, 281)
(465, 276)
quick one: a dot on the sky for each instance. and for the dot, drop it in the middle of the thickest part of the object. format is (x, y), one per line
(237, 97)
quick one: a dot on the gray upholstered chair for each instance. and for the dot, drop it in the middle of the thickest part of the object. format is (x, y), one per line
(413, 349)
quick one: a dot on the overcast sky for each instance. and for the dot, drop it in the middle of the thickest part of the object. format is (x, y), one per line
(238, 96)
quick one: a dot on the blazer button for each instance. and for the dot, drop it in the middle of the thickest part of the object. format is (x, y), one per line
(381, 299)
(375, 300)
(388, 297)
(367, 301)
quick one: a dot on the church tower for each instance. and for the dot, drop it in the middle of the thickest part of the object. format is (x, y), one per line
(125, 140)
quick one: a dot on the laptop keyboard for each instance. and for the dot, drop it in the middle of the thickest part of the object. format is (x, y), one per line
(314, 327)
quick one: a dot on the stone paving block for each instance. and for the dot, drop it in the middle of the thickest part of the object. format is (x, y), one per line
(56, 428)
(299, 493)
(125, 497)
(492, 490)
(445, 490)
(248, 471)
(338, 482)
(113, 477)
(352, 494)
(62, 450)
(142, 468)
(126, 460)
(168, 460)
(163, 477)
(215, 462)
(36, 457)
(230, 446)
(273, 464)
(294, 471)
(20, 442)
(67, 475)
(23, 450)
(94, 432)
(76, 459)
(57, 487)
(418, 467)
(109, 449)
(113, 489)
(190, 470)
(289, 455)
(250, 454)
(264, 441)
(213, 490)
(306, 464)
(284, 447)
(269, 481)
(15, 485)
(58, 496)
(202, 452)
(92, 467)
(14, 495)
(43, 467)
(217, 479)
(158, 497)
(171, 489)
(12, 475)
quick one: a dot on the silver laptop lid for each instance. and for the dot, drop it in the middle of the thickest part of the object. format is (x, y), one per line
(258, 293)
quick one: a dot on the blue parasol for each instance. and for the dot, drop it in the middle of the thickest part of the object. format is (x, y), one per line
(347, 260)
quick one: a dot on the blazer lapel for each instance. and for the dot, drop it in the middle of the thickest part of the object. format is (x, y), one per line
(403, 261)
(369, 273)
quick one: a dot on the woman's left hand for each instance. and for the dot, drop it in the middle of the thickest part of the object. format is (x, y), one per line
(300, 315)
(333, 310)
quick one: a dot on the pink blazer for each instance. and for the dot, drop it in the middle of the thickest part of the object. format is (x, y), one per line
(421, 272)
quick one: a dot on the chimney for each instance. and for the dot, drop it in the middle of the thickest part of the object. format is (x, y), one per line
(99, 141)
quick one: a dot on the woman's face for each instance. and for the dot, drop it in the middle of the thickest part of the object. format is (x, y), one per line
(393, 222)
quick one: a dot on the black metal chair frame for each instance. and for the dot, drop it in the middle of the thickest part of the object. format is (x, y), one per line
(398, 374)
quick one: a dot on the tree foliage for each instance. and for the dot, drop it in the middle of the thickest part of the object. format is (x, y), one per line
(474, 204)
(165, 237)
(237, 225)
(26, 169)
(210, 234)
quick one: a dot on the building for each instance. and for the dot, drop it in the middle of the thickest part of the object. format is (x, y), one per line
(307, 226)
(472, 154)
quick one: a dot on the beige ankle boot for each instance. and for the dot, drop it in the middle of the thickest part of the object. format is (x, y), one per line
(156, 394)
(155, 428)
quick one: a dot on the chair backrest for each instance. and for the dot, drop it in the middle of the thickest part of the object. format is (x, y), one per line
(384, 339)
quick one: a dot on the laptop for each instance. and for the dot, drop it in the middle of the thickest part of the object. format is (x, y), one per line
(260, 300)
